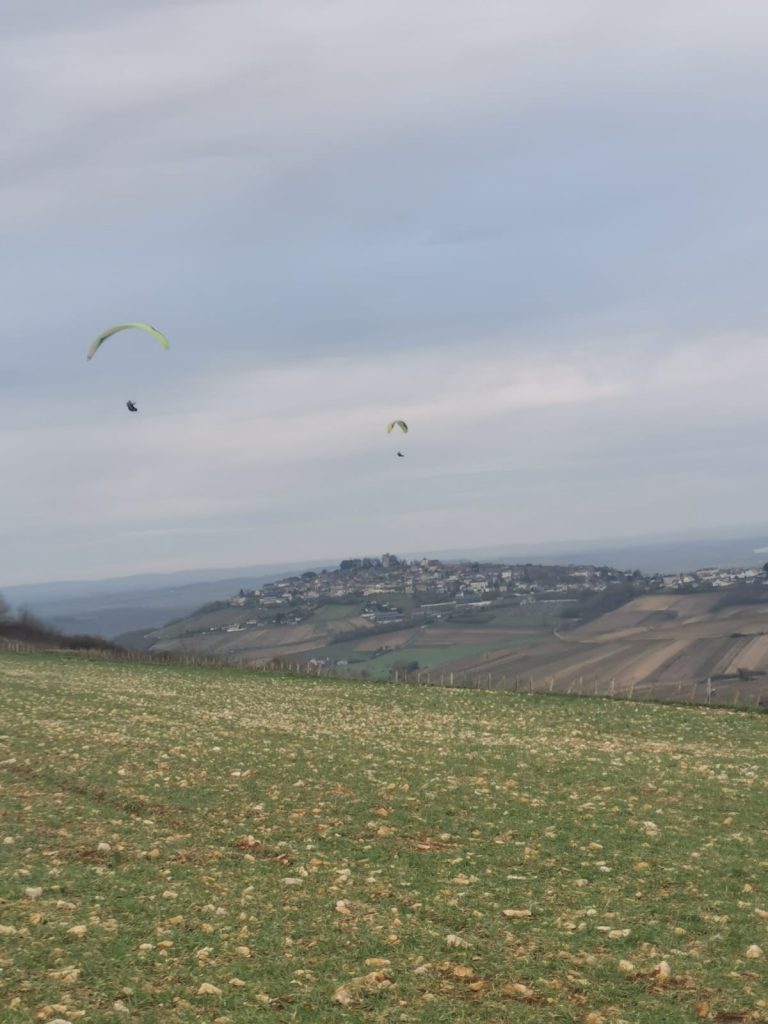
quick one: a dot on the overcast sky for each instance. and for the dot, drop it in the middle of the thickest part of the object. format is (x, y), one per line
(538, 233)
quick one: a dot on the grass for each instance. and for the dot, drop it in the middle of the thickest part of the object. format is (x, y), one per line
(427, 657)
(336, 612)
(542, 617)
(188, 844)
(379, 665)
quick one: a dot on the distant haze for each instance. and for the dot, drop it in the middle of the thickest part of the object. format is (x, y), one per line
(538, 233)
(113, 606)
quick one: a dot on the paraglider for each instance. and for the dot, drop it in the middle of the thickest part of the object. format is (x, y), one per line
(397, 423)
(148, 328)
(124, 327)
(403, 426)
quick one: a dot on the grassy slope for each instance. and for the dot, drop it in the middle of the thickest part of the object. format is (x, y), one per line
(427, 657)
(383, 820)
(331, 619)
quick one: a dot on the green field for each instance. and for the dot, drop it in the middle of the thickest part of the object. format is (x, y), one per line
(188, 844)
(378, 665)
(336, 612)
(542, 617)
(427, 657)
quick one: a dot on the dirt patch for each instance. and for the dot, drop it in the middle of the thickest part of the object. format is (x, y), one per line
(753, 656)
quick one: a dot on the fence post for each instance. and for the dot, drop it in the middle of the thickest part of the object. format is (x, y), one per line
(451, 678)
(709, 689)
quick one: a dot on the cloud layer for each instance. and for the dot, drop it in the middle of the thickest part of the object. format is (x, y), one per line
(536, 234)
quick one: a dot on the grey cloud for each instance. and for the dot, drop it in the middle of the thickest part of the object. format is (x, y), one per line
(459, 210)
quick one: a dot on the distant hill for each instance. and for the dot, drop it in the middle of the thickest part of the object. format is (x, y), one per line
(134, 603)
(650, 556)
(380, 614)
(659, 642)
(224, 633)
(111, 607)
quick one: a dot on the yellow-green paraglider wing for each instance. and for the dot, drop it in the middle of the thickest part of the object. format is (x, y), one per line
(397, 423)
(124, 327)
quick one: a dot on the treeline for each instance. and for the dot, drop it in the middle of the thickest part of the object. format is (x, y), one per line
(26, 628)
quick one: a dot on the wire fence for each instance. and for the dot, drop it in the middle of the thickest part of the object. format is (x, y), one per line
(742, 691)
(731, 692)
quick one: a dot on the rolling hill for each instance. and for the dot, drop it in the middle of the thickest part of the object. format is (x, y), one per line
(339, 634)
(660, 642)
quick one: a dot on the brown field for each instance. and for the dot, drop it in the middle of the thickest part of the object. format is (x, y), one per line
(447, 636)
(654, 611)
(641, 647)
(258, 643)
(664, 644)
(753, 655)
(344, 625)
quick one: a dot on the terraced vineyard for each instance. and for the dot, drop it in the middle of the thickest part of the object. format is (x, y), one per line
(666, 646)
(188, 844)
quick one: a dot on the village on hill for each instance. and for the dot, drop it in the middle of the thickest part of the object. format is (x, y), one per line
(385, 615)
(435, 588)
(438, 588)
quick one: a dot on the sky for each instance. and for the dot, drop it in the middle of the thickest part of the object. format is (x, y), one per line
(538, 233)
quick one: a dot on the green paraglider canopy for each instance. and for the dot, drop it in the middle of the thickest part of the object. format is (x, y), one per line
(124, 327)
(397, 423)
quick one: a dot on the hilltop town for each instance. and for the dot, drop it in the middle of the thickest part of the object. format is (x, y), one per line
(379, 615)
(434, 588)
(437, 588)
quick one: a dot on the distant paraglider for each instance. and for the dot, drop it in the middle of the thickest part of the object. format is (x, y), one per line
(124, 327)
(403, 426)
(131, 406)
(397, 423)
